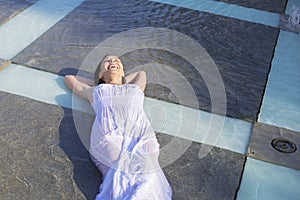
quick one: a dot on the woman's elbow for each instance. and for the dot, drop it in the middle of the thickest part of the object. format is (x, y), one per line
(142, 72)
(142, 75)
(69, 80)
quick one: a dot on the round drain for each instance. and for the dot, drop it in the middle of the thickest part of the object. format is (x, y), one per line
(284, 145)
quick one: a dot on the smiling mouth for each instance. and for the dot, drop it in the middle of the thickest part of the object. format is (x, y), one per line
(113, 67)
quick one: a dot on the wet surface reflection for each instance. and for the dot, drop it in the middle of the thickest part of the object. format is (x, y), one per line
(241, 50)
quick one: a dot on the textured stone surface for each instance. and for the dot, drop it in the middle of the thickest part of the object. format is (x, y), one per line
(241, 50)
(260, 146)
(9, 9)
(277, 6)
(74, 138)
(216, 176)
(41, 154)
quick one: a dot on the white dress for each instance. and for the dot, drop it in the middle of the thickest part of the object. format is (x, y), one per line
(124, 146)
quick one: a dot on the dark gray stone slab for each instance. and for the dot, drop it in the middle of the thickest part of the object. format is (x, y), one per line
(42, 156)
(263, 141)
(216, 176)
(277, 6)
(9, 9)
(242, 50)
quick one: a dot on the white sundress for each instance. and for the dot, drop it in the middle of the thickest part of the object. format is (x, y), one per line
(124, 146)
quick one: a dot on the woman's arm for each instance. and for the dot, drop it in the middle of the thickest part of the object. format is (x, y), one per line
(86, 81)
(79, 88)
(137, 78)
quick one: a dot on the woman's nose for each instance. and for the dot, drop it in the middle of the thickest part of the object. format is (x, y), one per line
(112, 61)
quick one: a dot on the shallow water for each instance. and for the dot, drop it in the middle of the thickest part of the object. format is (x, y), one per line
(230, 43)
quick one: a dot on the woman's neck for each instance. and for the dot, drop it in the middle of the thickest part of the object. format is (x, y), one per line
(114, 82)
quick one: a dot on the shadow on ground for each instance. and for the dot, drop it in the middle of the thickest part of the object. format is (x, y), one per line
(86, 175)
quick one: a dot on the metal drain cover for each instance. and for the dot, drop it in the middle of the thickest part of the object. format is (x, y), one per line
(284, 145)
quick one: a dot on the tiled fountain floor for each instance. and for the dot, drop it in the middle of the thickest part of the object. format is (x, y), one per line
(43, 157)
(234, 45)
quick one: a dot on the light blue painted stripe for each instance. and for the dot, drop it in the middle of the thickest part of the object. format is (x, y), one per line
(289, 7)
(262, 180)
(20, 31)
(165, 117)
(228, 10)
(281, 102)
(39, 85)
(195, 125)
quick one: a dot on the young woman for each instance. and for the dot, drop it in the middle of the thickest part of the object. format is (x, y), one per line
(123, 144)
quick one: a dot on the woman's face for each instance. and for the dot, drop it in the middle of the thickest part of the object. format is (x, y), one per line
(111, 66)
